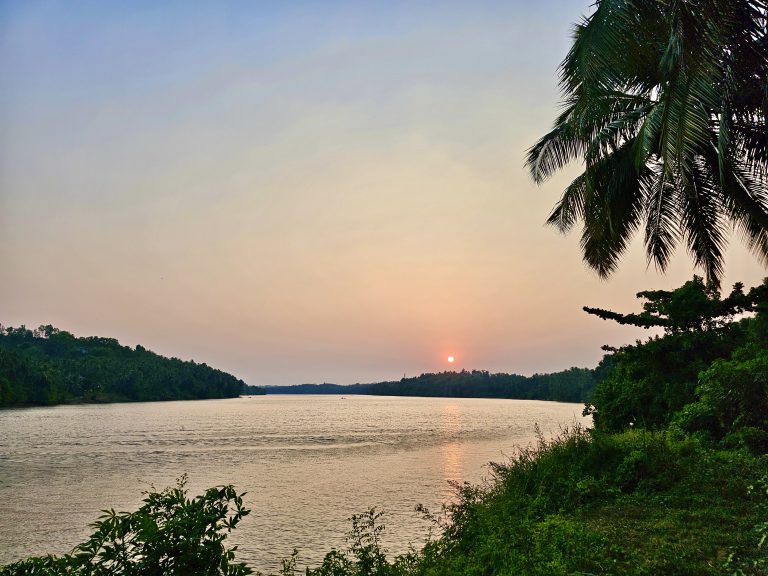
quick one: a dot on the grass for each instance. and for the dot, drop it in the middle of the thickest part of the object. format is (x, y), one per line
(632, 503)
(636, 503)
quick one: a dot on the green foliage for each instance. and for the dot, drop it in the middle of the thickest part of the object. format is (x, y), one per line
(365, 556)
(25, 382)
(653, 380)
(635, 503)
(665, 103)
(168, 535)
(50, 366)
(694, 307)
(740, 566)
(706, 372)
(732, 401)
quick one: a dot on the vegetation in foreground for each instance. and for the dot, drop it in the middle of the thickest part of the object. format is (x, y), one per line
(168, 534)
(673, 479)
(48, 366)
(634, 503)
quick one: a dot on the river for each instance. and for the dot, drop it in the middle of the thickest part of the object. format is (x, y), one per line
(307, 464)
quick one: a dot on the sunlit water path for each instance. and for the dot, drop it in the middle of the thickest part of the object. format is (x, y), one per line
(307, 463)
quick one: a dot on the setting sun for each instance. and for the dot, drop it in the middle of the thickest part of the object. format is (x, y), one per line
(451, 359)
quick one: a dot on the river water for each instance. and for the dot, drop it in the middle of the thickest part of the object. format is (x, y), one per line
(307, 464)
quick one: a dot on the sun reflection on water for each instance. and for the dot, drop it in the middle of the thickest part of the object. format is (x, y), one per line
(453, 450)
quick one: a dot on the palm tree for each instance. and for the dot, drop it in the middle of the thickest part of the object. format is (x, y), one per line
(665, 101)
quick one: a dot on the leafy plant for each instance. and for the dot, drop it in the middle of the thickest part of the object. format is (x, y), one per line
(706, 353)
(665, 103)
(168, 535)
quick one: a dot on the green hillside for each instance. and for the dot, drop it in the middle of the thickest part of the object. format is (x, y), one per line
(49, 366)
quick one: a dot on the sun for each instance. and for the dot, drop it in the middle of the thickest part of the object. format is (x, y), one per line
(451, 359)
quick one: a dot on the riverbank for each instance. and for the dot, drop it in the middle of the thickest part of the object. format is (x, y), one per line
(307, 463)
(634, 503)
(672, 480)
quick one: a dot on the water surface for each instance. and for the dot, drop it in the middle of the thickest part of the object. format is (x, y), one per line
(307, 463)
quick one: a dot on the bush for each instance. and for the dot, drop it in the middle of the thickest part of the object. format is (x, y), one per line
(732, 402)
(169, 535)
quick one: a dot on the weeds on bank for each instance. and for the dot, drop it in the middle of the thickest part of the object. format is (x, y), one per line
(635, 503)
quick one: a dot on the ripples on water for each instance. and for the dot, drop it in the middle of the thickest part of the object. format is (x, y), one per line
(307, 463)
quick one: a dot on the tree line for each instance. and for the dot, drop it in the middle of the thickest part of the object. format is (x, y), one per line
(47, 366)
(572, 385)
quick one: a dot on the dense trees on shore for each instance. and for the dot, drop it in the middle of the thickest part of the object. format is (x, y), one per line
(572, 385)
(49, 366)
(706, 375)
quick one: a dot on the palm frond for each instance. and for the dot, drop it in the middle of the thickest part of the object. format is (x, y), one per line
(612, 210)
(570, 208)
(666, 103)
(703, 223)
(662, 230)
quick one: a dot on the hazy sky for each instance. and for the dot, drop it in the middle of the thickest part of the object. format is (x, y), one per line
(299, 191)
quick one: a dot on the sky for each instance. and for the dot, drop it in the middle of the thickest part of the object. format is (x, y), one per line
(300, 191)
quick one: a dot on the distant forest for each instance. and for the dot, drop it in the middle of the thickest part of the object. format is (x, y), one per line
(49, 366)
(572, 385)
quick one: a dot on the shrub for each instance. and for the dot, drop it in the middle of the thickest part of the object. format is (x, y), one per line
(170, 535)
(732, 402)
